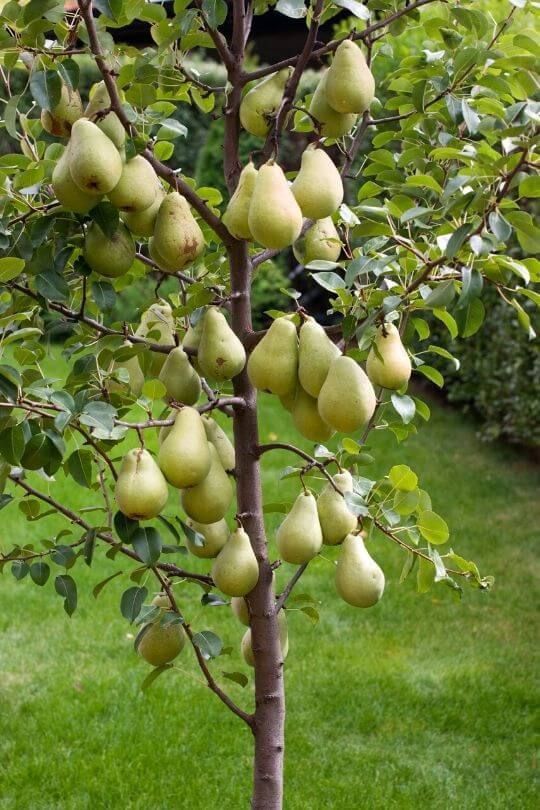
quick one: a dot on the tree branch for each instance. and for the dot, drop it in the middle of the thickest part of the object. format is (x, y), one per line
(282, 598)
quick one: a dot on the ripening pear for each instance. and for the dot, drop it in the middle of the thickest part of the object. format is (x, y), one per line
(335, 518)
(159, 644)
(94, 161)
(316, 352)
(272, 365)
(235, 570)
(109, 124)
(137, 188)
(318, 187)
(321, 242)
(225, 448)
(390, 366)
(177, 240)
(350, 86)
(184, 456)
(307, 419)
(141, 223)
(359, 580)
(347, 400)
(158, 322)
(133, 368)
(215, 536)
(209, 501)
(221, 354)
(110, 256)
(61, 118)
(180, 379)
(299, 538)
(332, 123)
(262, 101)
(67, 191)
(235, 217)
(140, 490)
(288, 400)
(240, 609)
(247, 649)
(275, 218)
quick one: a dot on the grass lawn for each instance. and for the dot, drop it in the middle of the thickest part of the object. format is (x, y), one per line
(423, 701)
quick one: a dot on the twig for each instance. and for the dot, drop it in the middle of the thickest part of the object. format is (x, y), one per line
(282, 598)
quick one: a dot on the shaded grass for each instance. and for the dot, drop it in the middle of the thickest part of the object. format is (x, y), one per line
(423, 701)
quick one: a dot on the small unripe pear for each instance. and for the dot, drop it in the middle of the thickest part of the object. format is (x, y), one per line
(273, 363)
(262, 101)
(215, 536)
(307, 418)
(108, 123)
(225, 448)
(318, 187)
(158, 644)
(390, 365)
(209, 501)
(332, 124)
(180, 379)
(235, 217)
(235, 570)
(321, 242)
(141, 490)
(335, 518)
(61, 118)
(299, 538)
(158, 322)
(315, 356)
(359, 580)
(133, 368)
(240, 609)
(110, 256)
(67, 191)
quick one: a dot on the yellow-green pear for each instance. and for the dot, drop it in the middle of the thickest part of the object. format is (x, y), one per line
(273, 363)
(262, 101)
(316, 352)
(318, 187)
(215, 536)
(94, 162)
(108, 123)
(288, 400)
(141, 223)
(359, 580)
(221, 354)
(157, 325)
(184, 456)
(225, 448)
(67, 191)
(274, 218)
(235, 217)
(321, 242)
(141, 490)
(61, 118)
(159, 644)
(347, 400)
(133, 368)
(307, 419)
(388, 364)
(178, 240)
(209, 501)
(235, 570)
(335, 518)
(180, 379)
(247, 649)
(191, 341)
(240, 609)
(350, 86)
(332, 124)
(137, 188)
(110, 256)
(299, 538)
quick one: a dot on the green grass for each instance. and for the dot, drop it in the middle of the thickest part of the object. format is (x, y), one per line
(422, 701)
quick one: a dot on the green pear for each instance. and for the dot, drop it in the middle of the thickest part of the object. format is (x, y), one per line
(235, 217)
(388, 364)
(180, 379)
(192, 339)
(262, 102)
(359, 580)
(60, 119)
(141, 223)
(335, 518)
(321, 242)
(273, 363)
(316, 352)
(299, 538)
(133, 368)
(109, 124)
(137, 188)
(235, 570)
(157, 325)
(225, 448)
(94, 162)
(160, 644)
(347, 400)
(247, 649)
(288, 400)
(110, 256)
(209, 501)
(166, 429)
(221, 355)
(332, 124)
(350, 86)
(67, 192)
(141, 490)
(307, 419)
(178, 240)
(274, 218)
(215, 536)
(318, 187)
(184, 456)
(239, 607)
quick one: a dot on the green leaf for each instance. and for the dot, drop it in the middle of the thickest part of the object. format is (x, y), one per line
(329, 281)
(104, 295)
(402, 477)
(215, 12)
(524, 319)
(65, 587)
(147, 543)
(46, 88)
(432, 527)
(208, 643)
(153, 675)
(470, 318)
(132, 601)
(456, 240)
(125, 527)
(12, 444)
(432, 374)
(20, 569)
(356, 8)
(530, 187)
(238, 677)
(424, 181)
(10, 268)
(107, 217)
(99, 587)
(40, 571)
(448, 320)
(471, 287)
(405, 407)
(499, 226)
(425, 575)
(471, 118)
(405, 503)
(170, 129)
(154, 389)
(79, 466)
(356, 504)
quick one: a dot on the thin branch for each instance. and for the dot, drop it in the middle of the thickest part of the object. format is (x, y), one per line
(311, 462)
(282, 598)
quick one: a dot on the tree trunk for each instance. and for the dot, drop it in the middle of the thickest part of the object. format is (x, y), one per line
(269, 718)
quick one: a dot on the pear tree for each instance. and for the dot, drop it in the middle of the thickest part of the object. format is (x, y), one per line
(411, 195)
